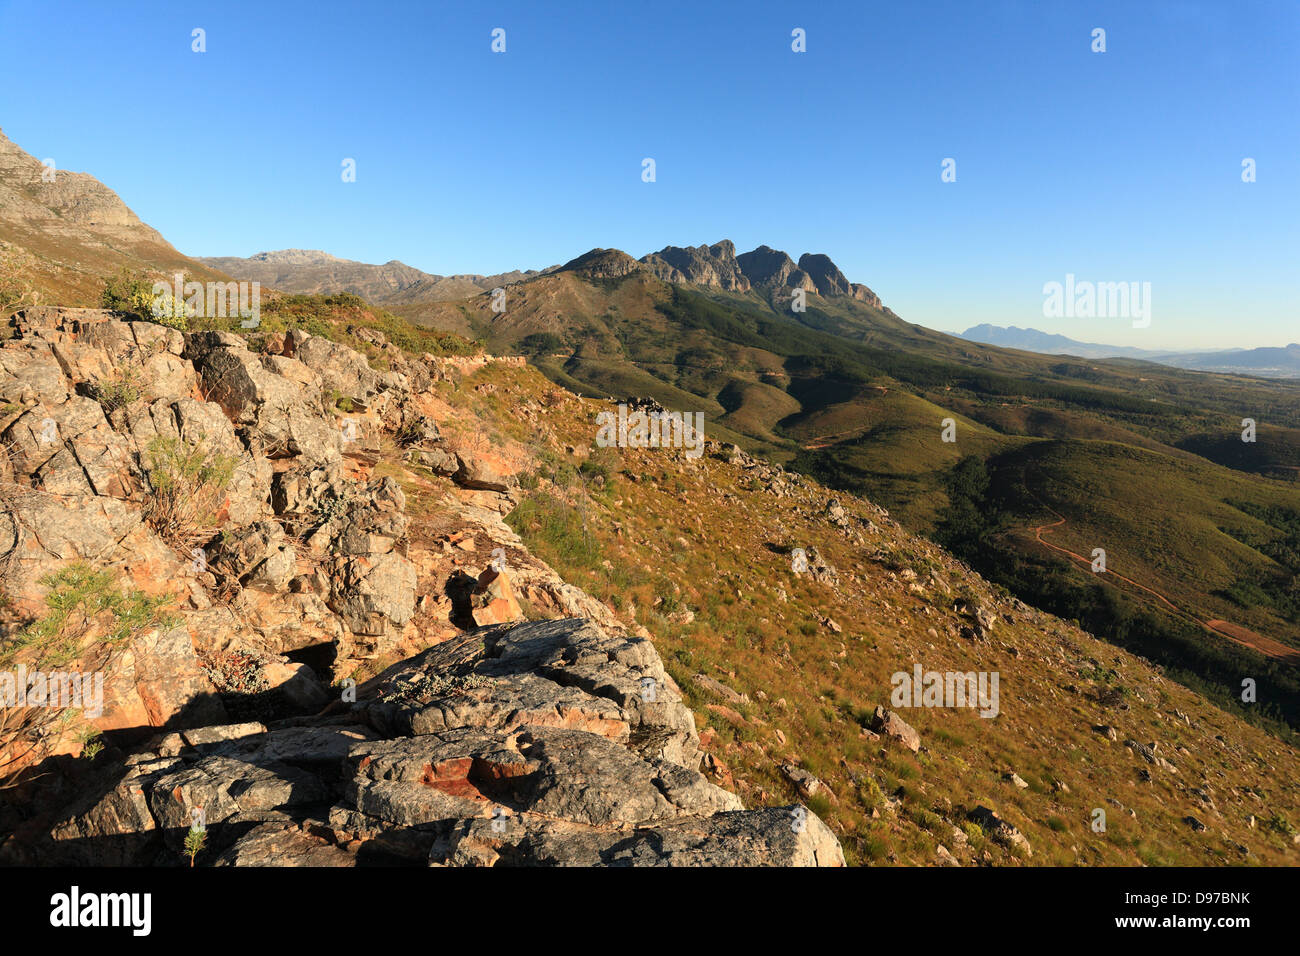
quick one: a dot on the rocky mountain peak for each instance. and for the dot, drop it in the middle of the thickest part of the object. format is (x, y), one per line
(602, 264)
(718, 266)
(61, 200)
(830, 281)
(772, 268)
(713, 266)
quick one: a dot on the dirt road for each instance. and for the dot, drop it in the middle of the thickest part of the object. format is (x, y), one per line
(1233, 632)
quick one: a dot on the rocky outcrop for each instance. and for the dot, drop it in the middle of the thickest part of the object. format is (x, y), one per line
(889, 724)
(540, 743)
(770, 268)
(1000, 830)
(714, 266)
(528, 745)
(767, 269)
(103, 420)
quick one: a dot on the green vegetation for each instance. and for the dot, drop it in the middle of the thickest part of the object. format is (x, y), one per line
(542, 344)
(986, 502)
(1280, 590)
(15, 288)
(195, 840)
(81, 599)
(558, 529)
(118, 392)
(340, 317)
(129, 291)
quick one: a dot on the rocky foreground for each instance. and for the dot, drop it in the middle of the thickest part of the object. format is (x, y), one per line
(531, 744)
(491, 740)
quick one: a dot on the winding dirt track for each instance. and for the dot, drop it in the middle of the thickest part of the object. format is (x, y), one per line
(1233, 632)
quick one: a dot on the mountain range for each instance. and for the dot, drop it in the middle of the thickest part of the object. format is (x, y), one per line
(1271, 362)
(312, 271)
(714, 266)
(444, 529)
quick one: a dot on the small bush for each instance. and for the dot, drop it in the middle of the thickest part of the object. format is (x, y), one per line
(119, 392)
(129, 291)
(77, 598)
(15, 289)
(188, 489)
(234, 672)
(80, 600)
(556, 530)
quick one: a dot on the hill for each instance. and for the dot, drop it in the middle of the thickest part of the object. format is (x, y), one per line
(62, 232)
(311, 272)
(848, 392)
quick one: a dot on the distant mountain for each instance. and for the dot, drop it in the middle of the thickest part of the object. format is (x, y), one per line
(1032, 340)
(63, 231)
(312, 271)
(1270, 362)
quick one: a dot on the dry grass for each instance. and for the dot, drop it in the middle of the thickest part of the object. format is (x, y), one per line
(703, 537)
(187, 491)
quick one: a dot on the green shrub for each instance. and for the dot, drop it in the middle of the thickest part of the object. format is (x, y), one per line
(78, 596)
(556, 531)
(129, 291)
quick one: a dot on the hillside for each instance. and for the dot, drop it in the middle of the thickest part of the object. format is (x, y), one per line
(500, 715)
(848, 392)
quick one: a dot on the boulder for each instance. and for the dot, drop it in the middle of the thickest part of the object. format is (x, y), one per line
(889, 724)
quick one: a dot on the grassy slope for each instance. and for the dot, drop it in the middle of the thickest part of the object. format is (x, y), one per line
(855, 396)
(705, 537)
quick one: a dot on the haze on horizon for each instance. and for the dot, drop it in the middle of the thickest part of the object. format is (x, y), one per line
(1114, 167)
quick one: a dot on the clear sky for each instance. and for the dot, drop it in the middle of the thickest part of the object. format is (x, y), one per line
(1116, 166)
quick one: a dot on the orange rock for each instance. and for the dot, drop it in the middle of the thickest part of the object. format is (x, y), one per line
(494, 599)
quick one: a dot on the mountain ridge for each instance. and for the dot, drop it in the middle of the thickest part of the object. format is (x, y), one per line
(1268, 361)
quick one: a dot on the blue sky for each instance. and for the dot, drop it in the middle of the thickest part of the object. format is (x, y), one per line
(1115, 166)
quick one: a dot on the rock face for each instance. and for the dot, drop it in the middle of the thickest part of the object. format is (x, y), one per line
(767, 269)
(64, 200)
(98, 414)
(67, 229)
(525, 745)
(830, 281)
(771, 268)
(714, 266)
